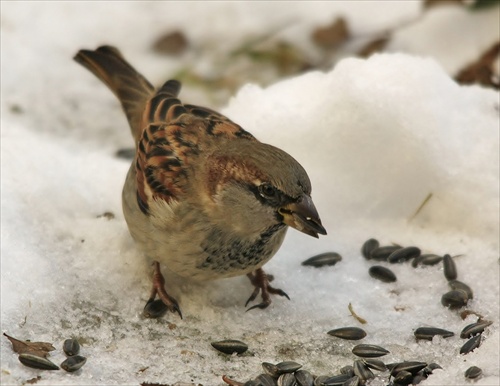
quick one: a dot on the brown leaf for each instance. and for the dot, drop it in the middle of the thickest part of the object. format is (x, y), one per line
(40, 349)
(481, 71)
(333, 35)
(32, 381)
(173, 43)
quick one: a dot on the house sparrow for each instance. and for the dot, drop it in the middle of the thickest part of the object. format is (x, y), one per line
(202, 196)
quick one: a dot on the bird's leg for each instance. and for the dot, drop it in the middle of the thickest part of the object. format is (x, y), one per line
(159, 289)
(260, 280)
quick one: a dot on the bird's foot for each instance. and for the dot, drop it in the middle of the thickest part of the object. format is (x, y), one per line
(155, 308)
(260, 280)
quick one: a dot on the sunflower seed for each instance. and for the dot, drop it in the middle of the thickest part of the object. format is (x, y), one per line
(403, 378)
(382, 253)
(323, 259)
(429, 333)
(288, 367)
(369, 351)
(471, 344)
(473, 372)
(368, 247)
(347, 370)
(454, 299)
(336, 380)
(271, 369)
(304, 378)
(403, 254)
(265, 380)
(230, 346)
(375, 364)
(73, 363)
(362, 371)
(320, 381)
(37, 362)
(354, 381)
(411, 366)
(348, 333)
(71, 347)
(287, 379)
(474, 329)
(382, 274)
(426, 371)
(251, 382)
(458, 285)
(450, 268)
(427, 259)
(154, 309)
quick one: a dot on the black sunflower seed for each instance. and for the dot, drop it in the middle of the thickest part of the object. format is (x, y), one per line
(368, 247)
(304, 378)
(382, 253)
(36, 362)
(474, 329)
(336, 380)
(382, 273)
(454, 299)
(450, 268)
(287, 367)
(369, 351)
(412, 367)
(403, 378)
(473, 372)
(230, 346)
(287, 379)
(427, 259)
(323, 259)
(429, 332)
(403, 254)
(375, 364)
(349, 333)
(458, 285)
(71, 347)
(362, 371)
(73, 363)
(471, 344)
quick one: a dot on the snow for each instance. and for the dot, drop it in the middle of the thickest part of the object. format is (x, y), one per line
(376, 136)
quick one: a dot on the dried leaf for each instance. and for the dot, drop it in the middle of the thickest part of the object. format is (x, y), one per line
(32, 381)
(333, 35)
(356, 316)
(173, 43)
(481, 71)
(40, 349)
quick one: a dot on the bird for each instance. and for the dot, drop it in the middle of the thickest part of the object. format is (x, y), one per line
(202, 196)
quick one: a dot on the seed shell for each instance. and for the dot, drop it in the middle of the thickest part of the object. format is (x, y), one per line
(73, 363)
(412, 367)
(348, 333)
(71, 347)
(362, 371)
(271, 369)
(375, 364)
(403, 378)
(347, 370)
(450, 268)
(287, 379)
(369, 351)
(154, 309)
(403, 254)
(36, 362)
(336, 380)
(368, 247)
(265, 380)
(382, 273)
(471, 344)
(304, 378)
(429, 332)
(473, 372)
(474, 329)
(354, 381)
(320, 380)
(323, 259)
(230, 346)
(458, 285)
(287, 367)
(454, 299)
(382, 253)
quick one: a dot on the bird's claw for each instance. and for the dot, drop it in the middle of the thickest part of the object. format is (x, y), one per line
(261, 282)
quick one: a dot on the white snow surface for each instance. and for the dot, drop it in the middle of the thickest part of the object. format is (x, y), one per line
(376, 136)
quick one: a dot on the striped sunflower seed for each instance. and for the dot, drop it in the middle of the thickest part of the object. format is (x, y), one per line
(271, 369)
(36, 362)
(375, 364)
(369, 351)
(230, 346)
(368, 247)
(382, 273)
(382, 253)
(336, 380)
(362, 371)
(427, 259)
(474, 329)
(354, 381)
(429, 332)
(403, 378)
(454, 299)
(347, 370)
(473, 372)
(73, 363)
(71, 347)
(403, 254)
(450, 268)
(266, 380)
(323, 259)
(348, 333)
(287, 379)
(412, 367)
(304, 378)
(287, 367)
(471, 345)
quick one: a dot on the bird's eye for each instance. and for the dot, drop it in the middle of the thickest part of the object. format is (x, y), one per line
(267, 190)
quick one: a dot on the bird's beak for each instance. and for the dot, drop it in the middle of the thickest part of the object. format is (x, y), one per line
(302, 215)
